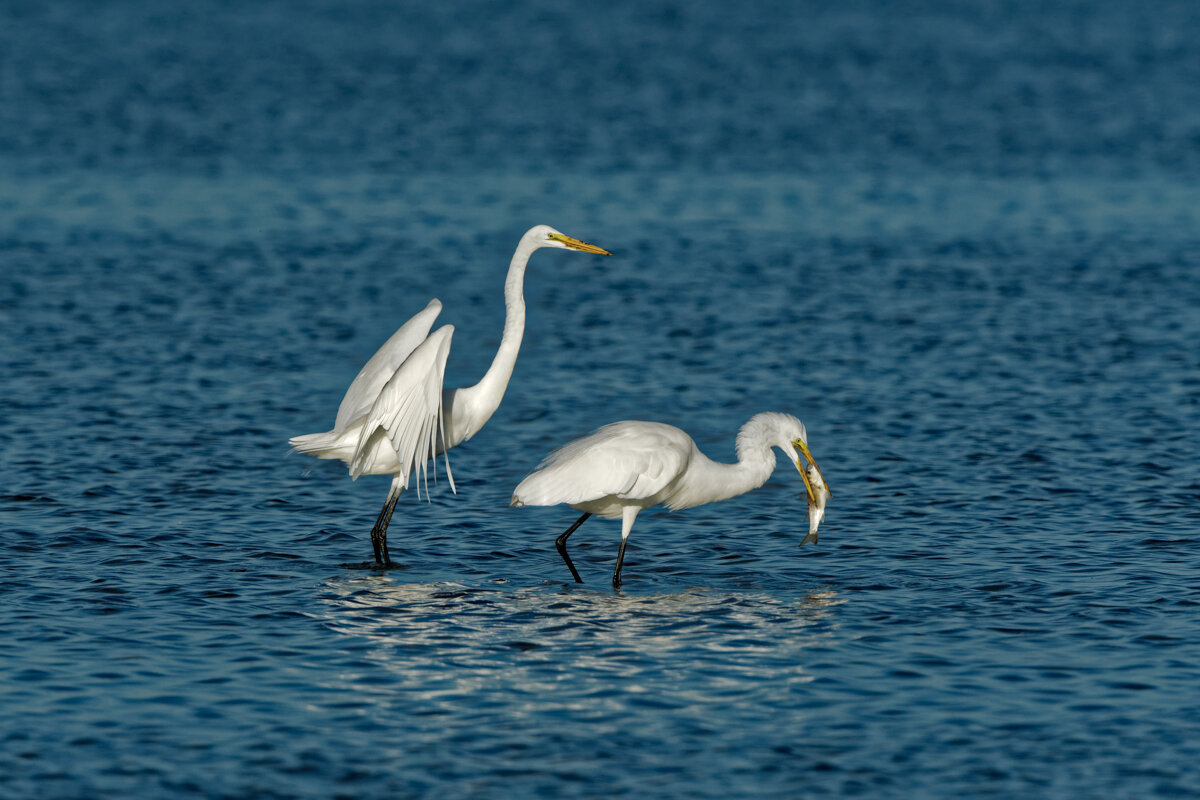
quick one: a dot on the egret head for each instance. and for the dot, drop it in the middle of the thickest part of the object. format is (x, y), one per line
(796, 446)
(789, 435)
(545, 236)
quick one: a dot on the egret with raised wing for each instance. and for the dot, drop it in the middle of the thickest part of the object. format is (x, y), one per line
(628, 466)
(396, 415)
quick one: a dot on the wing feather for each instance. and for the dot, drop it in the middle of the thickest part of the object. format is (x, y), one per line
(407, 414)
(382, 366)
(630, 460)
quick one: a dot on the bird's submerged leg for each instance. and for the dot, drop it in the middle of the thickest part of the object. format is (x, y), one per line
(387, 559)
(379, 531)
(627, 517)
(561, 544)
(375, 529)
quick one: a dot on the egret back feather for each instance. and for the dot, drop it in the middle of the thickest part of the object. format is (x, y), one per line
(629, 460)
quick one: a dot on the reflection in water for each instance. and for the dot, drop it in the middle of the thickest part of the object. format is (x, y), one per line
(556, 651)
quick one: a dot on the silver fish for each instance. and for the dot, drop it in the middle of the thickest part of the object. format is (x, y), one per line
(816, 504)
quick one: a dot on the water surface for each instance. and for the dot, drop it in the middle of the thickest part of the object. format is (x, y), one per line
(964, 256)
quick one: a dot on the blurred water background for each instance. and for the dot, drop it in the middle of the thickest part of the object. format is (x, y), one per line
(958, 239)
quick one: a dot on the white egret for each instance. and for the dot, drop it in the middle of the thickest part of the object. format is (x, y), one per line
(396, 415)
(627, 466)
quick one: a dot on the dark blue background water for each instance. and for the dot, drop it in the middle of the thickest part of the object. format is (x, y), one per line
(959, 242)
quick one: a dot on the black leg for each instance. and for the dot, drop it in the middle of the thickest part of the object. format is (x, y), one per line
(375, 530)
(620, 560)
(561, 544)
(387, 520)
(379, 531)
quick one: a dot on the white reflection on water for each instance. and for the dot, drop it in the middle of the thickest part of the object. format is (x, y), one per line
(591, 653)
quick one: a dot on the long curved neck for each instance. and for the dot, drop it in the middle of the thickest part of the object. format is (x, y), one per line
(474, 405)
(708, 481)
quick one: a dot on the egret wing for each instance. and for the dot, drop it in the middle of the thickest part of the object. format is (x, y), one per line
(631, 460)
(407, 415)
(382, 366)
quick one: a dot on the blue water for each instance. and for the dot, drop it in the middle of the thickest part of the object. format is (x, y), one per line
(959, 241)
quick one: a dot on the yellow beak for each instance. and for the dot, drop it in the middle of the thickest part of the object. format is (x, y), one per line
(812, 498)
(575, 244)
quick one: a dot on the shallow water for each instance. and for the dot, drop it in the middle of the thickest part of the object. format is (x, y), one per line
(991, 340)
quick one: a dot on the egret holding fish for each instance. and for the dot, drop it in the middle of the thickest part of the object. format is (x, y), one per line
(625, 467)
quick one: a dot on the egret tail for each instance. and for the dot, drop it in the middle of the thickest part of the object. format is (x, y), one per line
(330, 444)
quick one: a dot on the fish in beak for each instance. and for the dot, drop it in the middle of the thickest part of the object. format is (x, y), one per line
(818, 490)
(816, 505)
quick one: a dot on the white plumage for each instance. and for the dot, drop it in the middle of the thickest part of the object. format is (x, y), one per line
(623, 462)
(627, 466)
(397, 416)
